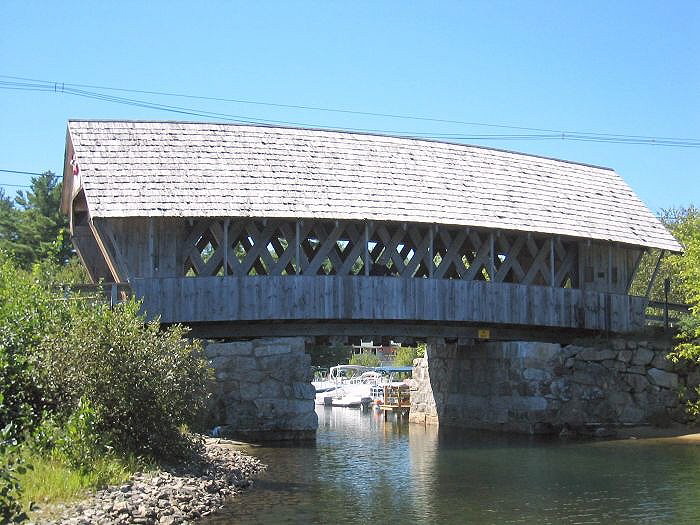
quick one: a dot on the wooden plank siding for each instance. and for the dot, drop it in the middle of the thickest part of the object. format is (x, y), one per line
(294, 298)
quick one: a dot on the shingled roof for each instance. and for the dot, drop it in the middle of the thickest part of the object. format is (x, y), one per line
(185, 169)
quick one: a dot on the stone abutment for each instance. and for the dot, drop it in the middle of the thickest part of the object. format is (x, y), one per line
(263, 389)
(533, 387)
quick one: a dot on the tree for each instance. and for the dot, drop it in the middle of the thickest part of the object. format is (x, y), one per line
(8, 221)
(365, 360)
(673, 219)
(33, 227)
(687, 267)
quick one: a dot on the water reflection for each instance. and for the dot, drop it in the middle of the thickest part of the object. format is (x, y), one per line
(364, 469)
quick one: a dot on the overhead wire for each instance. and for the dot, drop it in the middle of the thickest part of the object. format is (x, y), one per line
(54, 85)
(26, 84)
(21, 172)
(15, 185)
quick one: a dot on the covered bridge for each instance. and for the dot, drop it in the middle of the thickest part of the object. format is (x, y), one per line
(233, 226)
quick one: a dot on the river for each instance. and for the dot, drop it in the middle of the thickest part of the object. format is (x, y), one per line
(363, 469)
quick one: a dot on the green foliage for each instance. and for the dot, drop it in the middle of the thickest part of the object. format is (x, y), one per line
(687, 267)
(52, 480)
(327, 356)
(406, 354)
(677, 220)
(11, 467)
(28, 314)
(32, 227)
(80, 443)
(365, 360)
(142, 383)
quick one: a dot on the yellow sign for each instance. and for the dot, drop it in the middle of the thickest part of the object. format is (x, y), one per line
(483, 333)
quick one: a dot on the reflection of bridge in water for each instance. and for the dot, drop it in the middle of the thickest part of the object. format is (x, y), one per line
(244, 231)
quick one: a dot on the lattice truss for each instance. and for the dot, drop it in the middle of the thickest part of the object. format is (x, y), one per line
(283, 247)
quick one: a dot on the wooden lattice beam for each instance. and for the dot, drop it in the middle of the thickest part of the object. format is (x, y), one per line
(283, 247)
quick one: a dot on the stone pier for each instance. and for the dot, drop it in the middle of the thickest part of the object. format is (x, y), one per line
(263, 389)
(533, 387)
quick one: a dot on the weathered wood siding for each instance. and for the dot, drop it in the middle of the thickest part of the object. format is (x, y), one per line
(150, 247)
(213, 299)
(607, 267)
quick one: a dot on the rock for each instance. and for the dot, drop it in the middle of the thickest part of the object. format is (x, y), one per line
(642, 357)
(595, 354)
(624, 355)
(619, 344)
(662, 378)
(182, 496)
(637, 382)
(536, 374)
(660, 419)
(561, 389)
(661, 362)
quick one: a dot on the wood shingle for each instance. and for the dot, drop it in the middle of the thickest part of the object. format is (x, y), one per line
(179, 169)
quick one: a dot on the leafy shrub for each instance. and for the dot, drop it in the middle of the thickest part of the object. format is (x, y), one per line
(80, 442)
(11, 466)
(327, 356)
(141, 382)
(406, 354)
(28, 314)
(365, 360)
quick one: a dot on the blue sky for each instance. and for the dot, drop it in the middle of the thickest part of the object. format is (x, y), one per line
(623, 67)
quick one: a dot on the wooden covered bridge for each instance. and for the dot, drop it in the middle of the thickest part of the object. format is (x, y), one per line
(239, 229)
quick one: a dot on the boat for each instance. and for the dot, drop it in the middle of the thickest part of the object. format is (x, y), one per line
(355, 385)
(336, 376)
(347, 386)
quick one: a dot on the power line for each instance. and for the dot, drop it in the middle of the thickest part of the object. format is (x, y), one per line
(544, 134)
(22, 172)
(15, 185)
(60, 87)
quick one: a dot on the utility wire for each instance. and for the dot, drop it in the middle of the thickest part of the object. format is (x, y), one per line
(60, 86)
(22, 172)
(65, 88)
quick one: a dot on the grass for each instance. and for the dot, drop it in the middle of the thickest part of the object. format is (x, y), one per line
(52, 481)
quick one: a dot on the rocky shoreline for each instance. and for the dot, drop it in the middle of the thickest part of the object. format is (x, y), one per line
(177, 495)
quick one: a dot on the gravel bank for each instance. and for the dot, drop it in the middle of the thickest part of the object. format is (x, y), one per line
(177, 495)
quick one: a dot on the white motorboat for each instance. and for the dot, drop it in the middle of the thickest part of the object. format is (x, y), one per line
(346, 386)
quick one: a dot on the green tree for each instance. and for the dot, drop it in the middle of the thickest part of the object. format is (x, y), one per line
(28, 314)
(673, 219)
(365, 360)
(687, 269)
(8, 221)
(33, 227)
(406, 354)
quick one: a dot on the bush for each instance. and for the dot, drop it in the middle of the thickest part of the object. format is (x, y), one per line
(141, 383)
(28, 314)
(11, 466)
(365, 360)
(406, 354)
(327, 356)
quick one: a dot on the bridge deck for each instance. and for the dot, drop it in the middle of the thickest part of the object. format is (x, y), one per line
(347, 298)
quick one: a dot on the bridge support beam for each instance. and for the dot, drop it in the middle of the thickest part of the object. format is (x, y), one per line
(536, 388)
(263, 389)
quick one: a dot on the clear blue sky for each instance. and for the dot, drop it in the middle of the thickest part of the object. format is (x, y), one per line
(622, 67)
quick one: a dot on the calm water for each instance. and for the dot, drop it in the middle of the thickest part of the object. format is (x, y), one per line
(365, 470)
